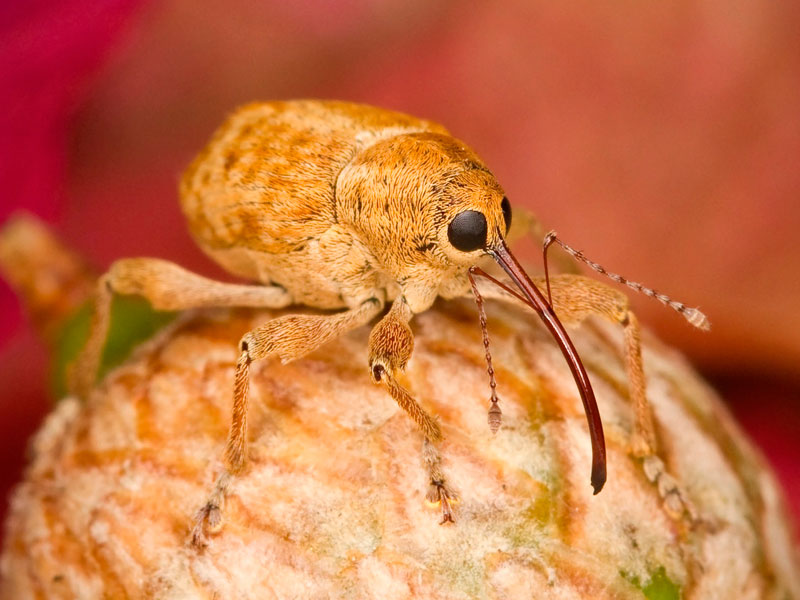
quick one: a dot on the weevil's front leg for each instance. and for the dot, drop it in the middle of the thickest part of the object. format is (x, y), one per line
(288, 337)
(390, 346)
(575, 298)
(167, 287)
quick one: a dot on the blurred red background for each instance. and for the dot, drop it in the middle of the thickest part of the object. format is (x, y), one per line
(661, 138)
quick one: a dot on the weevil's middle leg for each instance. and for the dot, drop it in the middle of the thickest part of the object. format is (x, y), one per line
(288, 337)
(390, 346)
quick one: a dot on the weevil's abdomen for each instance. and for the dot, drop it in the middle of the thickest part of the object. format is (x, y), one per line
(260, 198)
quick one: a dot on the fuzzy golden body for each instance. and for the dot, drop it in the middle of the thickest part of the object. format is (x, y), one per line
(278, 194)
(344, 206)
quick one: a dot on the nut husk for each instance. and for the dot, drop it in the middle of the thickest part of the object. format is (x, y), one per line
(331, 504)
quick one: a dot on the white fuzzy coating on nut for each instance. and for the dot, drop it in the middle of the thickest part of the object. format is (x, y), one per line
(331, 504)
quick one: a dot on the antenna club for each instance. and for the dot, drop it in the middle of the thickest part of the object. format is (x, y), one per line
(697, 318)
(495, 417)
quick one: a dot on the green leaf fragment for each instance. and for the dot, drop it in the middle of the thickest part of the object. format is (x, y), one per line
(133, 321)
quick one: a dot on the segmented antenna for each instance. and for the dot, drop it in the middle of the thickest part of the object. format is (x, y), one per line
(495, 414)
(693, 315)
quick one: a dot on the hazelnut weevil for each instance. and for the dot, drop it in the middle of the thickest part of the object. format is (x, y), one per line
(347, 207)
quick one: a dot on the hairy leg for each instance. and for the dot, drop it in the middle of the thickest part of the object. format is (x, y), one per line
(575, 298)
(288, 337)
(166, 286)
(390, 346)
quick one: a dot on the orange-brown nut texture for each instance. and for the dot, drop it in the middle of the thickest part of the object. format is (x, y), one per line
(331, 502)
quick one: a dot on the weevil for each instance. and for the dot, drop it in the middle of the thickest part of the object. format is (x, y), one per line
(350, 208)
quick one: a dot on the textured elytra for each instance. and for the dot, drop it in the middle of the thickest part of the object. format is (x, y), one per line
(331, 502)
(338, 202)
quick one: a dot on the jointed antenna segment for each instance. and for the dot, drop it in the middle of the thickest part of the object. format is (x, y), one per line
(495, 414)
(693, 315)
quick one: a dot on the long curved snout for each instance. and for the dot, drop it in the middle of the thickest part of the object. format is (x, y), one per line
(537, 301)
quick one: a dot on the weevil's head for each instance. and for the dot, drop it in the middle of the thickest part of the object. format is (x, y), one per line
(428, 209)
(423, 202)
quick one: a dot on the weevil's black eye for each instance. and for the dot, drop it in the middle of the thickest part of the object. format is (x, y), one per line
(506, 206)
(467, 232)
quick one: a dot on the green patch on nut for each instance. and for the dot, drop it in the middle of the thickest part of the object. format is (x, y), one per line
(658, 587)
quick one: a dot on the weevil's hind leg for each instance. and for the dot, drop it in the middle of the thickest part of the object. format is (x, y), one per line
(288, 337)
(390, 346)
(167, 287)
(82, 373)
